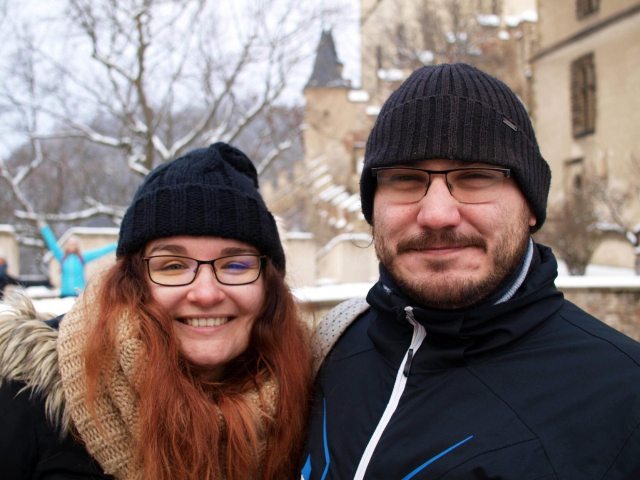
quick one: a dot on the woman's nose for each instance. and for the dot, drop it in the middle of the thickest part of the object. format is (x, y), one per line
(205, 289)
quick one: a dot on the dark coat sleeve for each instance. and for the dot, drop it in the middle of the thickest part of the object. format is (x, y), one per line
(627, 463)
(31, 448)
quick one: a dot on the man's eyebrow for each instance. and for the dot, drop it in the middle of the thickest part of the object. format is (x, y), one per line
(462, 164)
(169, 247)
(454, 164)
(239, 251)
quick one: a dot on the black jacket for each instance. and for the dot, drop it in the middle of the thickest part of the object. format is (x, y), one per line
(6, 279)
(31, 447)
(533, 388)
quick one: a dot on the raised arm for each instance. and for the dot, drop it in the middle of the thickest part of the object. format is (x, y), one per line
(98, 252)
(52, 242)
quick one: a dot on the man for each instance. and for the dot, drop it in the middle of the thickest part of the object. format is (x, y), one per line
(467, 363)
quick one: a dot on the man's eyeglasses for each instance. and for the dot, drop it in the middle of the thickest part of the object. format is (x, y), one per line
(176, 271)
(466, 185)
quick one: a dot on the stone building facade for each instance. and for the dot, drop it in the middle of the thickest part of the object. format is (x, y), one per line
(322, 195)
(586, 77)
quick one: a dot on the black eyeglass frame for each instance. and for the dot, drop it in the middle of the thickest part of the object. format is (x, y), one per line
(262, 258)
(505, 171)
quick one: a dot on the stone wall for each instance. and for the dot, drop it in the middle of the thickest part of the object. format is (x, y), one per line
(618, 307)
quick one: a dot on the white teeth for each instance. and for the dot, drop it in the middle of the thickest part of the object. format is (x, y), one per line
(206, 322)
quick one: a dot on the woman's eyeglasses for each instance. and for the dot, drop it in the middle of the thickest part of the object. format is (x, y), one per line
(177, 271)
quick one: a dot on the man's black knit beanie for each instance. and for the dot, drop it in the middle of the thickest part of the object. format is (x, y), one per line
(457, 112)
(210, 191)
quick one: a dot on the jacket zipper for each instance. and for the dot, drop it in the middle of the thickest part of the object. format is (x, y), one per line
(419, 334)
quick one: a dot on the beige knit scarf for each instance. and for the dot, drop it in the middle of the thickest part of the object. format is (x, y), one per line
(112, 443)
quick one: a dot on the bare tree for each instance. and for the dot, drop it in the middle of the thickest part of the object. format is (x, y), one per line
(620, 206)
(146, 80)
(154, 56)
(572, 230)
(445, 32)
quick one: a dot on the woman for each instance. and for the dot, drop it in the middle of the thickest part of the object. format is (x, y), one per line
(186, 360)
(72, 261)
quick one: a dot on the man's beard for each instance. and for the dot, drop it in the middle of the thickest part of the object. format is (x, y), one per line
(453, 292)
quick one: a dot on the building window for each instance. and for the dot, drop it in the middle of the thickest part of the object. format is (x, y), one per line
(583, 95)
(587, 7)
(574, 179)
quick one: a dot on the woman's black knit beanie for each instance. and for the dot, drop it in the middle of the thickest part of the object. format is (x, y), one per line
(210, 191)
(457, 112)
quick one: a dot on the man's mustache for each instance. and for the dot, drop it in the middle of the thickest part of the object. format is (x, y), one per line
(442, 239)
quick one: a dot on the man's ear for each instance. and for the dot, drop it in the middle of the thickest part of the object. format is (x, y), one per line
(532, 220)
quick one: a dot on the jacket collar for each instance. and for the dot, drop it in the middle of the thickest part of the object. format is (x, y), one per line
(466, 336)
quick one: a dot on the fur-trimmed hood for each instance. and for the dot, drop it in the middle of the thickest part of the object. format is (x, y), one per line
(28, 354)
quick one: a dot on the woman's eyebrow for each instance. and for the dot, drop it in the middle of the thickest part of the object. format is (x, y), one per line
(238, 251)
(168, 247)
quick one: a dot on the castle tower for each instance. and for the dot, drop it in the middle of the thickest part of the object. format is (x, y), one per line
(330, 116)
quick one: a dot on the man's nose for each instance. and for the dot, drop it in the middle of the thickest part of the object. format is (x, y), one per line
(205, 289)
(438, 208)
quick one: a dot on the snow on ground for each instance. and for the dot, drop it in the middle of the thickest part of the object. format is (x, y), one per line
(54, 306)
(332, 293)
(597, 276)
(598, 271)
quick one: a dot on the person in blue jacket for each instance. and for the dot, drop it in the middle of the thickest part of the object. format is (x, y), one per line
(72, 261)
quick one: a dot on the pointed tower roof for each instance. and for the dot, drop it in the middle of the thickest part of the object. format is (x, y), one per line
(327, 71)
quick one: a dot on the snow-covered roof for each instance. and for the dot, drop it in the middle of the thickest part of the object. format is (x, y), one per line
(91, 231)
(358, 96)
(322, 181)
(341, 197)
(426, 56)
(526, 16)
(7, 228)
(352, 203)
(316, 161)
(330, 192)
(299, 236)
(488, 20)
(503, 35)
(317, 172)
(372, 110)
(390, 74)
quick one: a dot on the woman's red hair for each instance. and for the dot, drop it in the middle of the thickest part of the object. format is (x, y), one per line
(191, 428)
